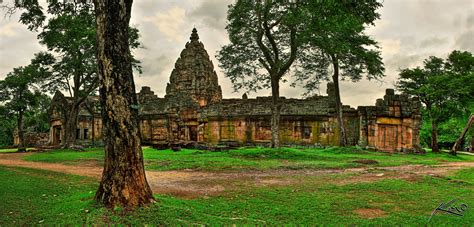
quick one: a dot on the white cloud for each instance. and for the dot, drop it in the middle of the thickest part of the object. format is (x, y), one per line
(213, 13)
(9, 30)
(169, 22)
(390, 46)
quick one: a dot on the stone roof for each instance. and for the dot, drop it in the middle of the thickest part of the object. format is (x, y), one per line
(314, 106)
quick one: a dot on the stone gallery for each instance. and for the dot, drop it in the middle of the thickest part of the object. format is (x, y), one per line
(194, 111)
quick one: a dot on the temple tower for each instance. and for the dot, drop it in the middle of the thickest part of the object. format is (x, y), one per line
(194, 75)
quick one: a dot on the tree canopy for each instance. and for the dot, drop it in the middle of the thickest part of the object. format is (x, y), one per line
(20, 94)
(67, 29)
(445, 87)
(336, 44)
(265, 38)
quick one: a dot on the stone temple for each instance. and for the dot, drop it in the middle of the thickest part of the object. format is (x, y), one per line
(194, 111)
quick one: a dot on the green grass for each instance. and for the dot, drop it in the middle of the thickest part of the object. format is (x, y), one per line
(12, 150)
(36, 196)
(253, 158)
(41, 197)
(68, 156)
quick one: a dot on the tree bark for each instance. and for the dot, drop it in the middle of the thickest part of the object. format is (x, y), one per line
(123, 180)
(457, 145)
(339, 112)
(276, 108)
(21, 132)
(70, 129)
(434, 136)
(472, 143)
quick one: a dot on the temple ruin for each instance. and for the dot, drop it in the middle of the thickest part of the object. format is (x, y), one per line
(194, 111)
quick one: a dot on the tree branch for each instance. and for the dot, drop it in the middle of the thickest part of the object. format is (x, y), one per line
(259, 39)
(293, 50)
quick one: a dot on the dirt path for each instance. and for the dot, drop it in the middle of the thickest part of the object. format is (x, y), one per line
(191, 183)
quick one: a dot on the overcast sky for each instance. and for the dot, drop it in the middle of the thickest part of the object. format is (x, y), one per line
(408, 32)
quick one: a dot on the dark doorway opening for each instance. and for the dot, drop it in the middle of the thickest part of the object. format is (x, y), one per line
(57, 135)
(193, 133)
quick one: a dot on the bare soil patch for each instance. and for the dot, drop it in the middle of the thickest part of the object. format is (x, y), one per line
(369, 213)
(366, 161)
(192, 184)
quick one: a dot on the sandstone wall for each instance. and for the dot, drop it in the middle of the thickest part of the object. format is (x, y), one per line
(393, 124)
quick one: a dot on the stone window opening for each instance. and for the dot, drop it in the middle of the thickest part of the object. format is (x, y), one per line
(305, 131)
(78, 134)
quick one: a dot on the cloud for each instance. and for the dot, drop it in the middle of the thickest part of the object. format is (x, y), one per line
(390, 46)
(157, 65)
(433, 42)
(400, 61)
(465, 41)
(212, 13)
(9, 30)
(169, 22)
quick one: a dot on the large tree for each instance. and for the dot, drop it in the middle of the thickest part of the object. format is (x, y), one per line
(19, 93)
(67, 29)
(335, 36)
(264, 43)
(444, 87)
(123, 180)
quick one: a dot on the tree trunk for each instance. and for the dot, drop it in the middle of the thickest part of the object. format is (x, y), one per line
(339, 112)
(472, 143)
(457, 145)
(434, 136)
(434, 131)
(123, 180)
(276, 108)
(70, 129)
(21, 132)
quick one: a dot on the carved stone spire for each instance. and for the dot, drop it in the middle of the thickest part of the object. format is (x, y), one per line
(194, 35)
(194, 75)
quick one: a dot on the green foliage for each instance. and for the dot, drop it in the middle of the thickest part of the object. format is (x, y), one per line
(7, 126)
(449, 130)
(443, 86)
(334, 35)
(37, 119)
(446, 88)
(22, 100)
(252, 158)
(264, 40)
(68, 30)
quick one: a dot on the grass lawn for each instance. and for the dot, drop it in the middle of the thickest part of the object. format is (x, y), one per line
(41, 197)
(253, 158)
(11, 150)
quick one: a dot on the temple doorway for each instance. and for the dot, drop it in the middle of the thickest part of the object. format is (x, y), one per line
(56, 135)
(193, 135)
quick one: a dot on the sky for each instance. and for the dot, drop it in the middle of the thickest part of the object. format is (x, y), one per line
(408, 32)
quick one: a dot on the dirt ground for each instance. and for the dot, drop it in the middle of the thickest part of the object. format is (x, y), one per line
(193, 184)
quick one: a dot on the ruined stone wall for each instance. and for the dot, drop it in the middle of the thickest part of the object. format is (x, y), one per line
(303, 121)
(31, 138)
(393, 124)
(293, 130)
